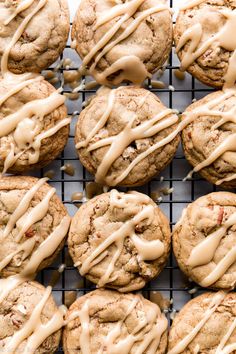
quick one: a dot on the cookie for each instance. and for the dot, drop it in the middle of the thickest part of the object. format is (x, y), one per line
(30, 320)
(203, 39)
(204, 240)
(34, 127)
(34, 33)
(126, 136)
(120, 240)
(206, 324)
(33, 224)
(209, 137)
(108, 322)
(122, 41)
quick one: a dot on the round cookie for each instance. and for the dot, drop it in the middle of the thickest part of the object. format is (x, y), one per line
(120, 240)
(18, 320)
(204, 241)
(209, 137)
(43, 35)
(121, 136)
(34, 127)
(125, 41)
(112, 323)
(206, 324)
(30, 212)
(202, 35)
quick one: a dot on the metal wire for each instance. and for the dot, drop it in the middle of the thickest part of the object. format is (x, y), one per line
(171, 282)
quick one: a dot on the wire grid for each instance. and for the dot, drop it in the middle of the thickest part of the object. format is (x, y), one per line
(171, 282)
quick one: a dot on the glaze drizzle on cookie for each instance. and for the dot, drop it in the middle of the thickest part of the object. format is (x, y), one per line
(131, 66)
(147, 250)
(147, 333)
(24, 127)
(204, 253)
(33, 331)
(180, 347)
(223, 39)
(122, 140)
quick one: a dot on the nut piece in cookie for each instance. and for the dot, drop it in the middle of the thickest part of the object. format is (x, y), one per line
(209, 137)
(126, 136)
(34, 126)
(206, 324)
(204, 241)
(33, 225)
(205, 43)
(120, 240)
(34, 32)
(30, 319)
(106, 321)
(126, 41)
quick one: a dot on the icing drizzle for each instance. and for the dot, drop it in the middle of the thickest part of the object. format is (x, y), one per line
(217, 299)
(23, 127)
(131, 67)
(122, 140)
(147, 250)
(147, 333)
(223, 38)
(33, 330)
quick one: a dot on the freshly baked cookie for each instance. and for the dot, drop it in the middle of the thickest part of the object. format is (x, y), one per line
(204, 240)
(122, 41)
(39, 30)
(108, 322)
(209, 137)
(33, 221)
(126, 136)
(30, 320)
(120, 240)
(34, 127)
(204, 41)
(206, 324)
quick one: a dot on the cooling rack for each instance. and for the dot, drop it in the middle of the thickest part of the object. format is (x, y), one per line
(177, 94)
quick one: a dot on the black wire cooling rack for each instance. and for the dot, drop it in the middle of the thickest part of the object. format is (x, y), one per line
(171, 283)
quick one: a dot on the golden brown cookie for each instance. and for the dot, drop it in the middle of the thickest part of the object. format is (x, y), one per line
(42, 29)
(107, 322)
(124, 136)
(32, 220)
(120, 240)
(209, 137)
(122, 41)
(30, 320)
(206, 324)
(204, 241)
(34, 127)
(204, 42)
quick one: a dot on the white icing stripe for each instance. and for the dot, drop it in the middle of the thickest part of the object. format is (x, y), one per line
(204, 252)
(222, 38)
(220, 269)
(21, 7)
(18, 34)
(36, 214)
(18, 88)
(147, 333)
(147, 250)
(183, 344)
(23, 206)
(40, 108)
(221, 347)
(191, 3)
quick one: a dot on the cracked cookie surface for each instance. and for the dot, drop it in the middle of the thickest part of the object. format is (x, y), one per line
(199, 221)
(12, 191)
(130, 103)
(96, 224)
(43, 39)
(121, 315)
